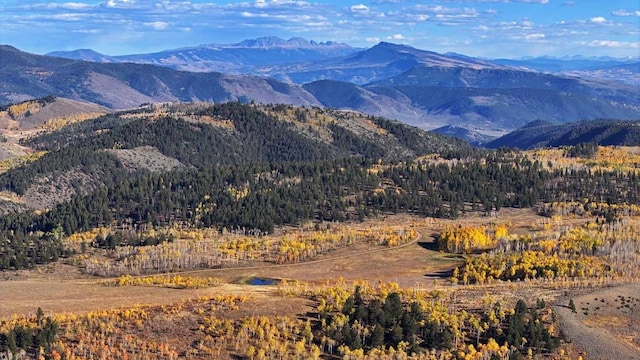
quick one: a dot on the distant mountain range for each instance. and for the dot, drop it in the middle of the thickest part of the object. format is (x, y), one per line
(555, 65)
(540, 134)
(419, 87)
(623, 70)
(380, 62)
(126, 85)
(246, 57)
(302, 61)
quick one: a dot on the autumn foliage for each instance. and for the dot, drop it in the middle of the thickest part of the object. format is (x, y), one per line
(465, 239)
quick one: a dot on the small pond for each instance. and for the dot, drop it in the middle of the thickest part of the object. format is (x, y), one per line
(262, 281)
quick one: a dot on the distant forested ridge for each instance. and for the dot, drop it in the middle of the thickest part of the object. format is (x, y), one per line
(539, 134)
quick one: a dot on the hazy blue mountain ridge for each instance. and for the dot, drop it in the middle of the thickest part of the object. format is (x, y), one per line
(604, 68)
(241, 58)
(472, 137)
(418, 87)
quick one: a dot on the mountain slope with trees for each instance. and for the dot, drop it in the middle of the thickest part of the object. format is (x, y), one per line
(544, 134)
(75, 159)
(311, 164)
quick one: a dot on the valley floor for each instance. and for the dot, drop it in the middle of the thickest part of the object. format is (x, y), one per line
(602, 328)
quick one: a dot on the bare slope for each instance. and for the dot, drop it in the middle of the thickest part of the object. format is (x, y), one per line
(606, 323)
(24, 119)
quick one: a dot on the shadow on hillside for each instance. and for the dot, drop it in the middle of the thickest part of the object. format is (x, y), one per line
(443, 274)
(429, 245)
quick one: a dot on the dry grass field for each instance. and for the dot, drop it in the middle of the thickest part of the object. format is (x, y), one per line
(416, 264)
(412, 265)
(606, 319)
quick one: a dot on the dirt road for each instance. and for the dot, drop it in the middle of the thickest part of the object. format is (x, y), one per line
(602, 328)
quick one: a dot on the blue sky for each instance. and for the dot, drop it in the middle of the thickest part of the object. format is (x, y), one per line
(487, 28)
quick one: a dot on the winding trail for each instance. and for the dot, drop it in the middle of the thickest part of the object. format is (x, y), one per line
(595, 342)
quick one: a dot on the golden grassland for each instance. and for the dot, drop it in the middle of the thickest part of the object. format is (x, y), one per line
(118, 323)
(20, 161)
(203, 248)
(62, 121)
(607, 158)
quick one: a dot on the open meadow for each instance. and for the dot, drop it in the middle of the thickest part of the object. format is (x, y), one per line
(177, 308)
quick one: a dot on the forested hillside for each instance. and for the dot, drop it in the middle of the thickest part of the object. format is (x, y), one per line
(254, 168)
(201, 136)
(540, 134)
(268, 158)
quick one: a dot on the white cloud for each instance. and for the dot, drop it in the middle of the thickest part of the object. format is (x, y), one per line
(67, 5)
(396, 37)
(598, 20)
(421, 17)
(443, 15)
(438, 9)
(513, 25)
(66, 17)
(118, 3)
(157, 25)
(174, 6)
(536, 36)
(360, 9)
(611, 43)
(86, 31)
(625, 13)
(373, 39)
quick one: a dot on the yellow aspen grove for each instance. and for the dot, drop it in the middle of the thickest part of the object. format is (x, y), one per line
(468, 238)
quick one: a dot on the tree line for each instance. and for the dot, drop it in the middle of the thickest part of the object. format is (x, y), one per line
(291, 192)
